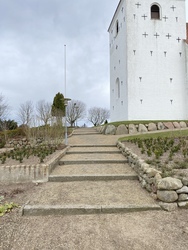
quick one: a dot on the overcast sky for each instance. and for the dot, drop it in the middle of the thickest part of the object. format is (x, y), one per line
(32, 38)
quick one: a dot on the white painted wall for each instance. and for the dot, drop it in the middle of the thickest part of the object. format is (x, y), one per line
(146, 88)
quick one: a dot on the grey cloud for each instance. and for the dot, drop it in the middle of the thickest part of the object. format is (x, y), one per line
(33, 34)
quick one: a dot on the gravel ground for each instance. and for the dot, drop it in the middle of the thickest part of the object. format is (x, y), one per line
(154, 230)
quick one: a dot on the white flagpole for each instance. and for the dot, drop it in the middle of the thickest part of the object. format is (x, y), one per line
(65, 77)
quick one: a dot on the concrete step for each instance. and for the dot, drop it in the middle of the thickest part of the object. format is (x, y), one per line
(87, 161)
(85, 133)
(93, 152)
(92, 146)
(93, 169)
(69, 178)
(44, 210)
(89, 197)
(92, 158)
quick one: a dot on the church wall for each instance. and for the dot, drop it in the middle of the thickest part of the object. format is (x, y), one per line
(152, 68)
(118, 65)
(156, 71)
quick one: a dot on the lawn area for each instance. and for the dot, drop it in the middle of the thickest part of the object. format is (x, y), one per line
(169, 134)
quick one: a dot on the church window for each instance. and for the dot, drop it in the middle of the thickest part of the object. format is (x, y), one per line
(117, 88)
(155, 12)
(117, 27)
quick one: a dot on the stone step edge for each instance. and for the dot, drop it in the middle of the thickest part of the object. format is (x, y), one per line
(86, 133)
(44, 210)
(66, 162)
(69, 178)
(93, 145)
(93, 152)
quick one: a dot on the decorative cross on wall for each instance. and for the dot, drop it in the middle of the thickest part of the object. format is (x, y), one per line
(145, 34)
(168, 35)
(178, 39)
(138, 5)
(156, 35)
(173, 7)
(134, 51)
(144, 16)
(165, 17)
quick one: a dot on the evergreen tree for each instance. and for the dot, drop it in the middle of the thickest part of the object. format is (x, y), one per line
(58, 108)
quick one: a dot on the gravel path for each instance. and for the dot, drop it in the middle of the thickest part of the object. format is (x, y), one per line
(156, 230)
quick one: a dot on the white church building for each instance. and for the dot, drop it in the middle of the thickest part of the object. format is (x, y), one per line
(149, 61)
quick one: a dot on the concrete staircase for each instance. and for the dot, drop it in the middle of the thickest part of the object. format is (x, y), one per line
(91, 178)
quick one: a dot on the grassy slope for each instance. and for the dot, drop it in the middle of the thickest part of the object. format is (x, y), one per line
(172, 134)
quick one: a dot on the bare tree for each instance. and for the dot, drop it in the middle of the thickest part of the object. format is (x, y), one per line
(4, 107)
(76, 110)
(43, 109)
(98, 116)
(25, 113)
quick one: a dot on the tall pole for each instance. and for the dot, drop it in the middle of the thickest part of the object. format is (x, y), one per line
(66, 142)
(65, 76)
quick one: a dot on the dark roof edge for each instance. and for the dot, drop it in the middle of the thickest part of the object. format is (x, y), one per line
(114, 15)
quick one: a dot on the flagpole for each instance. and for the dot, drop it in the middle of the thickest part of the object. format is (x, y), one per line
(65, 76)
(65, 98)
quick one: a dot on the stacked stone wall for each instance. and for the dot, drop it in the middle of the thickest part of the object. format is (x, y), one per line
(22, 142)
(140, 128)
(171, 192)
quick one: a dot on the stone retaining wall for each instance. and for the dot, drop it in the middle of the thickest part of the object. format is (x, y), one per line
(27, 173)
(141, 128)
(22, 142)
(171, 192)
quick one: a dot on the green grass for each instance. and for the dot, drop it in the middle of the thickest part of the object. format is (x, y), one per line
(170, 134)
